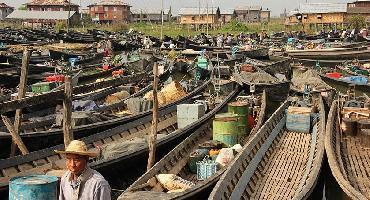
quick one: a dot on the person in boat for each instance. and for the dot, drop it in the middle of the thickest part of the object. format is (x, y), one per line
(80, 181)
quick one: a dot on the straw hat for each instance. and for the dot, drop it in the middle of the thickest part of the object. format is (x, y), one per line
(77, 147)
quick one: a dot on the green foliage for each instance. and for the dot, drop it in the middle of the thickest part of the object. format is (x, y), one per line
(357, 21)
(59, 25)
(234, 25)
(119, 26)
(86, 20)
(22, 7)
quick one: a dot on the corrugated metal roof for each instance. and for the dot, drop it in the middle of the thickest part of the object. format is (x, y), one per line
(195, 11)
(110, 3)
(149, 11)
(248, 7)
(44, 15)
(307, 8)
(229, 11)
(50, 2)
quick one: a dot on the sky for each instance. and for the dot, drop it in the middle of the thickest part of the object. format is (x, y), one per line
(276, 6)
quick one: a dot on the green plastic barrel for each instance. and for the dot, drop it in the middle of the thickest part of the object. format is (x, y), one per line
(226, 128)
(33, 187)
(243, 110)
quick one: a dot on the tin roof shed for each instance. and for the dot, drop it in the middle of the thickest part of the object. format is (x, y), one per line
(196, 11)
(308, 8)
(41, 15)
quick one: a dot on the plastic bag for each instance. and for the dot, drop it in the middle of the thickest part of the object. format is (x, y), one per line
(238, 148)
(225, 156)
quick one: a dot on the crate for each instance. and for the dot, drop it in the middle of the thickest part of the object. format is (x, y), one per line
(43, 87)
(189, 113)
(298, 122)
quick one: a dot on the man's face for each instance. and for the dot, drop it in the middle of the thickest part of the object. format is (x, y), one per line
(76, 164)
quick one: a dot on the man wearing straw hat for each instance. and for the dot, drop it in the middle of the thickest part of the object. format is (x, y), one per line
(80, 181)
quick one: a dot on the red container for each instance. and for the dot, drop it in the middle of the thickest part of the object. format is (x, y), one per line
(106, 67)
(334, 75)
(117, 72)
(55, 78)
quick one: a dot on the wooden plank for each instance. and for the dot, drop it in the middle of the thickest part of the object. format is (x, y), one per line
(25, 167)
(15, 137)
(67, 112)
(248, 173)
(153, 135)
(21, 94)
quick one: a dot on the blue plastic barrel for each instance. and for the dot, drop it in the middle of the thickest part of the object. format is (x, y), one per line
(34, 187)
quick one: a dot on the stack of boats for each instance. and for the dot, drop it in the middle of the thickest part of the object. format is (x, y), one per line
(229, 126)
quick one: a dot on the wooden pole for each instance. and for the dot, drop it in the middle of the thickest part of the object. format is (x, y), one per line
(69, 15)
(15, 136)
(21, 95)
(67, 111)
(153, 134)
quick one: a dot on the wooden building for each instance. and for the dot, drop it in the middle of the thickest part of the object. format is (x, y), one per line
(51, 5)
(248, 14)
(360, 4)
(361, 7)
(199, 16)
(265, 15)
(43, 18)
(331, 15)
(5, 10)
(150, 15)
(108, 11)
(319, 14)
(226, 15)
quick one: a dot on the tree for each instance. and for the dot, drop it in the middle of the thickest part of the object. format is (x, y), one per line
(357, 21)
(22, 7)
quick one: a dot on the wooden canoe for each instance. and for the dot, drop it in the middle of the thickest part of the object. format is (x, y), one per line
(362, 88)
(175, 163)
(348, 160)
(47, 135)
(331, 54)
(41, 161)
(276, 163)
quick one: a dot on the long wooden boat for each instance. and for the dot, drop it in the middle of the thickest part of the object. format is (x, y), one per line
(40, 134)
(116, 156)
(86, 56)
(361, 88)
(331, 54)
(276, 163)
(347, 156)
(175, 163)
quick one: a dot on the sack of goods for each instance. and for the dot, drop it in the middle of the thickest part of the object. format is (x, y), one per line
(172, 183)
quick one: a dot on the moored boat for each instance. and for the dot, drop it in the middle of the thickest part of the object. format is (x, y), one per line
(178, 162)
(347, 147)
(283, 160)
(120, 146)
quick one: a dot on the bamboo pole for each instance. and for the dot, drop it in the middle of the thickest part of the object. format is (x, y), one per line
(67, 112)
(153, 135)
(21, 94)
